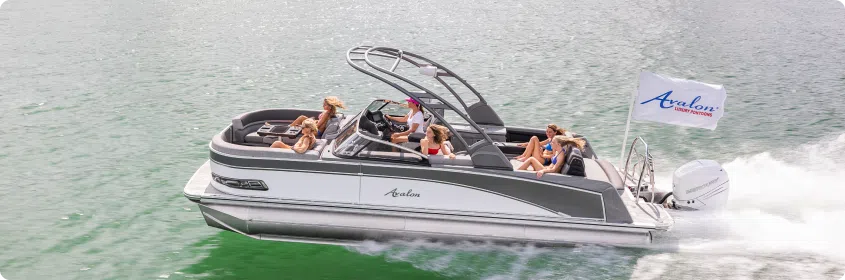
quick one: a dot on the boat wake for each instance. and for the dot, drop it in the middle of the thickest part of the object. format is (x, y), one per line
(788, 201)
(785, 218)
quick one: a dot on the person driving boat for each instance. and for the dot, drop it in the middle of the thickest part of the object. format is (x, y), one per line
(330, 106)
(414, 119)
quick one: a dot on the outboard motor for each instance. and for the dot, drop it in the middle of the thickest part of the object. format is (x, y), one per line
(699, 185)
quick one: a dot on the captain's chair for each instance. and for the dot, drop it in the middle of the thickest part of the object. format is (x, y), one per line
(332, 128)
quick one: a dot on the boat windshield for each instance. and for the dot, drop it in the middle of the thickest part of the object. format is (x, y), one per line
(351, 146)
(348, 134)
(359, 143)
(388, 107)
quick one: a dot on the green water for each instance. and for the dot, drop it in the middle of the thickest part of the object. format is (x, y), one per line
(106, 109)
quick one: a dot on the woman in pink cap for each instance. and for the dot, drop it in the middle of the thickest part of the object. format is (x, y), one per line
(414, 119)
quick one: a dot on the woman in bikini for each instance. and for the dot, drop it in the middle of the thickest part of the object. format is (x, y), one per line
(306, 142)
(541, 150)
(435, 141)
(560, 144)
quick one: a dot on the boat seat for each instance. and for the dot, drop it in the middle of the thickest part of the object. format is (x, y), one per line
(594, 171)
(313, 153)
(516, 164)
(399, 156)
(332, 128)
(221, 145)
(602, 170)
(613, 176)
(331, 132)
(253, 137)
(574, 164)
(318, 147)
(248, 122)
(462, 160)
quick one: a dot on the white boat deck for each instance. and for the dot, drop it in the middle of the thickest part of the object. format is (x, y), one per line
(199, 182)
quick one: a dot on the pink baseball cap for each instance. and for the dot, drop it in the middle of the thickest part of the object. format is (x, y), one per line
(412, 101)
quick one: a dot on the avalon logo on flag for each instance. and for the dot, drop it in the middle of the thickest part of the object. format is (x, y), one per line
(680, 102)
(686, 107)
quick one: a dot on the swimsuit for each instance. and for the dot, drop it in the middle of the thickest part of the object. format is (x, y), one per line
(553, 161)
(547, 147)
(433, 151)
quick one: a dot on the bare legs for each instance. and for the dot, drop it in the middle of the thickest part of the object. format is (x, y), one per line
(528, 148)
(533, 163)
(280, 144)
(532, 150)
(399, 139)
(298, 121)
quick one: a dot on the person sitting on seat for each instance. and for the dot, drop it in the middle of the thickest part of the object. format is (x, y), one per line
(574, 165)
(330, 105)
(435, 141)
(306, 142)
(557, 156)
(414, 119)
(560, 145)
(541, 150)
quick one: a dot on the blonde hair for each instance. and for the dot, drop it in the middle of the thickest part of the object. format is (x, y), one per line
(310, 124)
(441, 133)
(335, 103)
(564, 141)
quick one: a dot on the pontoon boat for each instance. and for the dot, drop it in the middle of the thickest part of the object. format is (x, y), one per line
(356, 185)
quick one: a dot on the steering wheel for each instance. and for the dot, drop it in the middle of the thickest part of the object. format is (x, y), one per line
(390, 124)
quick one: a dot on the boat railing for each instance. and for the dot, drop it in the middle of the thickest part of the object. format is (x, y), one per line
(641, 166)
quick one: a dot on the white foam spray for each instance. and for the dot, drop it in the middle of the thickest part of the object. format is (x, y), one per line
(785, 218)
(785, 201)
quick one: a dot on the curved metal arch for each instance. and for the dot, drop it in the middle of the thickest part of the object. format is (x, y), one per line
(474, 150)
(406, 92)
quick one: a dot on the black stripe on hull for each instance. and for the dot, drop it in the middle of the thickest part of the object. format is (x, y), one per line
(573, 196)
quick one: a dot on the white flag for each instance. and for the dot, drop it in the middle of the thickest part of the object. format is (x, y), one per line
(680, 102)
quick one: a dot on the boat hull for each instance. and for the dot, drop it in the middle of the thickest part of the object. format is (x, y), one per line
(313, 225)
(273, 219)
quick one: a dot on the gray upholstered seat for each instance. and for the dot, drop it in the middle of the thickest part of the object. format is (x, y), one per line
(219, 144)
(254, 138)
(515, 163)
(462, 160)
(332, 128)
(594, 171)
(249, 122)
(401, 156)
(574, 164)
(613, 176)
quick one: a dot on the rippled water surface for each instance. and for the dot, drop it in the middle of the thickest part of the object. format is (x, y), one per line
(106, 108)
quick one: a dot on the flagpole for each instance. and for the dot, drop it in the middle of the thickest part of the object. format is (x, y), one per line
(627, 127)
